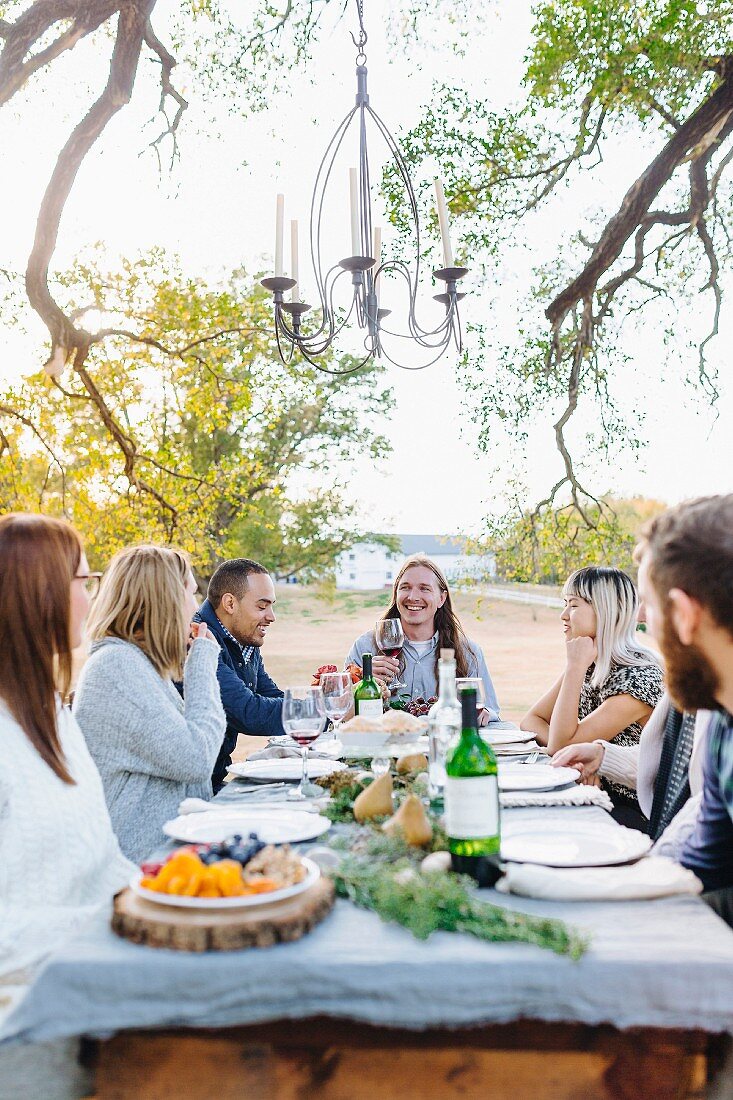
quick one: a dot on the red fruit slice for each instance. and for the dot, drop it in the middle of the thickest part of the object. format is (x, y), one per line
(150, 868)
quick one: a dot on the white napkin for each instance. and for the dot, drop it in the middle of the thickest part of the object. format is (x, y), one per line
(580, 795)
(651, 877)
(195, 806)
(523, 748)
(286, 752)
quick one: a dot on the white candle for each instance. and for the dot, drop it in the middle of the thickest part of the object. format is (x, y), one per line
(354, 197)
(443, 220)
(279, 224)
(294, 260)
(377, 254)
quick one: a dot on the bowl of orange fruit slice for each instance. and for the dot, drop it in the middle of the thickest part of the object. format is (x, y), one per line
(189, 878)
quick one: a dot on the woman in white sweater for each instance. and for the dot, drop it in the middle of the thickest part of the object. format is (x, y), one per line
(59, 858)
(152, 747)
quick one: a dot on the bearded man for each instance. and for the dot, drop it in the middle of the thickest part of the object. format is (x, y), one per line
(686, 582)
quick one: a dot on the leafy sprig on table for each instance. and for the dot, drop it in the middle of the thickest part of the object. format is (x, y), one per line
(381, 873)
(433, 902)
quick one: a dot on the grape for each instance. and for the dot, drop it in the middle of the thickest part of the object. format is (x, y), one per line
(420, 707)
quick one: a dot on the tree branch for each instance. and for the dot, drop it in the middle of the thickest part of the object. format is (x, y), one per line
(130, 30)
(167, 90)
(714, 113)
(25, 32)
(126, 444)
(6, 410)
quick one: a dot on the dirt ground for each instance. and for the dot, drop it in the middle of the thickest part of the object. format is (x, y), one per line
(523, 645)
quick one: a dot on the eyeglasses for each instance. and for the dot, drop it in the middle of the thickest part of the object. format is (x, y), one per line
(91, 582)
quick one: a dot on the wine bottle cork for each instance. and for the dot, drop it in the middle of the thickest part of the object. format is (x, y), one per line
(447, 654)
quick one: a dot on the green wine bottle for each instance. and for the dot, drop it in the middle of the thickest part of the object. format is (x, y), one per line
(472, 800)
(367, 696)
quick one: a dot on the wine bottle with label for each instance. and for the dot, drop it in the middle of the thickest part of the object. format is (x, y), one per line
(472, 800)
(367, 695)
(444, 723)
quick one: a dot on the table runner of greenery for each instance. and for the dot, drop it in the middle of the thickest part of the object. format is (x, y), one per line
(383, 873)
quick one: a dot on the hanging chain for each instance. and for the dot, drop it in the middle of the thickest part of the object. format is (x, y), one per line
(361, 41)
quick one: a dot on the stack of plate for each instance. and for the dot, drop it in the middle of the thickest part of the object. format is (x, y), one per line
(535, 777)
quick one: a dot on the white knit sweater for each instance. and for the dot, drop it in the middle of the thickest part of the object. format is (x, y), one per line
(59, 859)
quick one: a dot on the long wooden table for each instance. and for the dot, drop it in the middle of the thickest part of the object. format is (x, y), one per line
(361, 1009)
(331, 1059)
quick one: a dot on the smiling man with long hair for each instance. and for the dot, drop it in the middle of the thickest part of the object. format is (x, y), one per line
(421, 601)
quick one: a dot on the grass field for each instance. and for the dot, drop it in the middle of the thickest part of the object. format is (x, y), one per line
(523, 645)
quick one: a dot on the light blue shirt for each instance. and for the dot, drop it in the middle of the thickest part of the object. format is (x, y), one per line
(419, 669)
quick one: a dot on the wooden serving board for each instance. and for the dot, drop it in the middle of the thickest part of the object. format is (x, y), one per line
(143, 921)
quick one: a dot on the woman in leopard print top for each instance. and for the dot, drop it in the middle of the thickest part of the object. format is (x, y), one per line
(611, 681)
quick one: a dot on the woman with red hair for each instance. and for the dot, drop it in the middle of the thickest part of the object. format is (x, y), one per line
(59, 858)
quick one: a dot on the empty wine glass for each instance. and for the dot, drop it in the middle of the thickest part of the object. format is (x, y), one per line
(390, 637)
(477, 684)
(338, 697)
(302, 716)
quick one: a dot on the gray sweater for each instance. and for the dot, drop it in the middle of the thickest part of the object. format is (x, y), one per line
(151, 749)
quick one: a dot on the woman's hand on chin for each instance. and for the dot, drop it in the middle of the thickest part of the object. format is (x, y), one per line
(581, 652)
(200, 630)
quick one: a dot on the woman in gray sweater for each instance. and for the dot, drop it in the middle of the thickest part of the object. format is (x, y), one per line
(151, 747)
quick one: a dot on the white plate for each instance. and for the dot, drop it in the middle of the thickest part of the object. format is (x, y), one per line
(313, 873)
(271, 826)
(535, 777)
(506, 737)
(289, 768)
(591, 846)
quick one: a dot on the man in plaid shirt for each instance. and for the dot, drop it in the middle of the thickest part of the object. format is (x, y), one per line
(686, 582)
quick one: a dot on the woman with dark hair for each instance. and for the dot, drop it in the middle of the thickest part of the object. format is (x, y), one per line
(58, 854)
(421, 601)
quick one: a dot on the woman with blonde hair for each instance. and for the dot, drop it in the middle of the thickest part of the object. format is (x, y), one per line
(59, 857)
(421, 601)
(611, 682)
(152, 747)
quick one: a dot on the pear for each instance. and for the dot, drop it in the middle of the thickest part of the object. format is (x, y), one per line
(375, 800)
(412, 762)
(411, 821)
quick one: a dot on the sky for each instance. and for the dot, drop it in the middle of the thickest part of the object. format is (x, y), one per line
(216, 209)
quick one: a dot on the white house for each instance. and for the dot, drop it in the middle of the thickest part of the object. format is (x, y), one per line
(369, 565)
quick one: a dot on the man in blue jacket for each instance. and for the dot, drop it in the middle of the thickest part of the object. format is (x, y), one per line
(239, 611)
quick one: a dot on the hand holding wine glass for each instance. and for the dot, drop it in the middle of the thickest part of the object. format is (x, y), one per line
(390, 638)
(302, 717)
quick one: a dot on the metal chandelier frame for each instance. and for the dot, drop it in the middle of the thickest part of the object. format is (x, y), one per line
(362, 269)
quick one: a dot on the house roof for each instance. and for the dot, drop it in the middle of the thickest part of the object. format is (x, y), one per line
(431, 545)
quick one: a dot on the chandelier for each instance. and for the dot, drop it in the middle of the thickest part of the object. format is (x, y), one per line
(341, 308)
